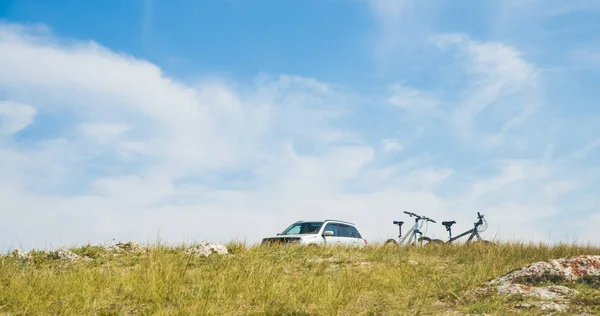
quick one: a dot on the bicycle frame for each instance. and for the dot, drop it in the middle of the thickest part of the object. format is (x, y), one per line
(412, 233)
(474, 232)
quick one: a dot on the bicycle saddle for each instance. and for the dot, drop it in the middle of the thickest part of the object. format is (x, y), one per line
(449, 223)
(398, 223)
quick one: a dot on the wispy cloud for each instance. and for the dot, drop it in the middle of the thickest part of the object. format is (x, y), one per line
(413, 100)
(15, 117)
(402, 25)
(391, 145)
(147, 20)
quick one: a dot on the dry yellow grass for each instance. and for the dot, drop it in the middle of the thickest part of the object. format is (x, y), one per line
(376, 280)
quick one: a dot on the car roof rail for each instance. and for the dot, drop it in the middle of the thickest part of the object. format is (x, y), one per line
(337, 220)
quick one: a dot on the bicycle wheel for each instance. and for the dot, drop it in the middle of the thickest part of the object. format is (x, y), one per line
(390, 242)
(424, 239)
(432, 241)
(483, 242)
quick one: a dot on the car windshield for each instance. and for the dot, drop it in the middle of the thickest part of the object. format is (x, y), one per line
(303, 228)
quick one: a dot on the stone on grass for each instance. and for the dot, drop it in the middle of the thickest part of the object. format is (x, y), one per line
(63, 254)
(58, 254)
(130, 247)
(556, 270)
(111, 248)
(68, 255)
(207, 249)
(551, 292)
(545, 306)
(525, 281)
(20, 254)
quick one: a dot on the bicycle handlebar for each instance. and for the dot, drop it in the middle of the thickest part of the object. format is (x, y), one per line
(419, 217)
(428, 219)
(411, 214)
(480, 219)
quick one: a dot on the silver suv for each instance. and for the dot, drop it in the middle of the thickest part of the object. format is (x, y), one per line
(328, 232)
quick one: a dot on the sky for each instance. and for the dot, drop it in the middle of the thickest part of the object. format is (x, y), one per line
(228, 120)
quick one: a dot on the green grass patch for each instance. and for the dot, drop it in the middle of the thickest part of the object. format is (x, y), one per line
(376, 280)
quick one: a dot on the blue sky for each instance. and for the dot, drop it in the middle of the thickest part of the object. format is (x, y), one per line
(221, 120)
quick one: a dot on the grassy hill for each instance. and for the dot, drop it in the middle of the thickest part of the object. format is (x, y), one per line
(376, 280)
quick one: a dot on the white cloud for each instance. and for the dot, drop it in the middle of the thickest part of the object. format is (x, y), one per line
(524, 197)
(494, 91)
(497, 93)
(583, 152)
(103, 132)
(427, 178)
(413, 100)
(489, 93)
(402, 26)
(156, 131)
(499, 75)
(14, 117)
(391, 145)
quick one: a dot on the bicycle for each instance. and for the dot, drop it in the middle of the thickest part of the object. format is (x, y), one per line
(474, 232)
(413, 233)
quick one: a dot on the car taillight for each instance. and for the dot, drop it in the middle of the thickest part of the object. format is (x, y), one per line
(366, 243)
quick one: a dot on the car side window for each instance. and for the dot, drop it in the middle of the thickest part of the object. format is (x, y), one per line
(332, 227)
(355, 232)
(345, 230)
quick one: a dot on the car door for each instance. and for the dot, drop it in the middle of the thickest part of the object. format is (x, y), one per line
(358, 240)
(335, 239)
(346, 237)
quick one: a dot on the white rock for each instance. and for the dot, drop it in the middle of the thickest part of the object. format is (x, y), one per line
(207, 249)
(63, 254)
(545, 306)
(553, 297)
(111, 248)
(131, 247)
(564, 269)
(552, 292)
(20, 254)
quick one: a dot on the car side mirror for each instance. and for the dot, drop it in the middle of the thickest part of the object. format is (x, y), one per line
(328, 233)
